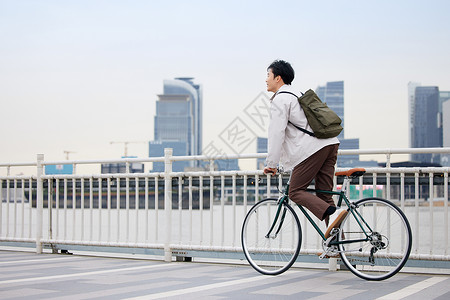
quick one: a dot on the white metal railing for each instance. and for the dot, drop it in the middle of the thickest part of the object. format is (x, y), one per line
(198, 210)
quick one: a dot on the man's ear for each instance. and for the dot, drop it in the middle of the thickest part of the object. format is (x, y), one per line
(279, 79)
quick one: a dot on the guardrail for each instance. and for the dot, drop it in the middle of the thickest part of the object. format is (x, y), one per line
(171, 213)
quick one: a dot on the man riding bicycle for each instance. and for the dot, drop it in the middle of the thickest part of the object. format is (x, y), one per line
(308, 157)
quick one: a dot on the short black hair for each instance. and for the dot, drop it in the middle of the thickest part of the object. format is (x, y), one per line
(284, 69)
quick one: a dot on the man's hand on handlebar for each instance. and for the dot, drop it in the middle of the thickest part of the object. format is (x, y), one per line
(271, 171)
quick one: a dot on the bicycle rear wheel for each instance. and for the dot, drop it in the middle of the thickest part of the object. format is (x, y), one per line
(271, 252)
(389, 244)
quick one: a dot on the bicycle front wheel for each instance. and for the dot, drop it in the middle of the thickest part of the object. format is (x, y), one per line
(387, 236)
(271, 237)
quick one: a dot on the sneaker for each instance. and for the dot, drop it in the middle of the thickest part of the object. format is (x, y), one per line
(339, 215)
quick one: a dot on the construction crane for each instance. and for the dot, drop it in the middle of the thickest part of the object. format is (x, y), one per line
(66, 152)
(126, 145)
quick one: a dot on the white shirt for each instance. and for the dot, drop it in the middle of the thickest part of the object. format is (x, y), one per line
(287, 145)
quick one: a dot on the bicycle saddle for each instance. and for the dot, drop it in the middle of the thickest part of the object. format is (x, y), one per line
(353, 173)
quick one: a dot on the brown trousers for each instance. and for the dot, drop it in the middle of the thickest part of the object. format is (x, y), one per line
(320, 167)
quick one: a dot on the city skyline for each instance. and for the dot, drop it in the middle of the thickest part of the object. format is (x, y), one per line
(75, 78)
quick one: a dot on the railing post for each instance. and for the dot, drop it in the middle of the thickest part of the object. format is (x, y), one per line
(39, 203)
(388, 176)
(168, 202)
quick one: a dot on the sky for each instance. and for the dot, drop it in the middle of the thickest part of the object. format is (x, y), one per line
(76, 75)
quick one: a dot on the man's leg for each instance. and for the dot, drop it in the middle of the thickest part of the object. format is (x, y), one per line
(324, 178)
(302, 176)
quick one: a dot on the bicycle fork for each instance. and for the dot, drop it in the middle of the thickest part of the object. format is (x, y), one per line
(280, 225)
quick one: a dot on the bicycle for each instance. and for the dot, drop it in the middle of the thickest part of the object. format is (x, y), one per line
(373, 241)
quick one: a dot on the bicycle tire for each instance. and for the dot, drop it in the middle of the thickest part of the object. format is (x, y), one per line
(275, 254)
(391, 239)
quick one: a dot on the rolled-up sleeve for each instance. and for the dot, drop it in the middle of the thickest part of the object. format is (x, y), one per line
(279, 114)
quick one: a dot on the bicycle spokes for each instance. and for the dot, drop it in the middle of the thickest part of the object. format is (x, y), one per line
(271, 237)
(375, 240)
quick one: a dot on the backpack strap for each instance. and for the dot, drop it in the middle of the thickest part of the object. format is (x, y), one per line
(286, 92)
(299, 128)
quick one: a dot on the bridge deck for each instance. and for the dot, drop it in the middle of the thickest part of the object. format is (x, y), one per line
(25, 275)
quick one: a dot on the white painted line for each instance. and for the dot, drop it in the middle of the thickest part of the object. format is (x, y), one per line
(412, 289)
(43, 260)
(84, 274)
(201, 288)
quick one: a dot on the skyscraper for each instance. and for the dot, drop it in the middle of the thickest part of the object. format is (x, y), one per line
(186, 86)
(443, 97)
(261, 147)
(333, 95)
(445, 158)
(178, 120)
(348, 160)
(425, 128)
(411, 100)
(174, 120)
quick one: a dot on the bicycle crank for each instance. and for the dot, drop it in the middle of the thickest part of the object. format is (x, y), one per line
(330, 251)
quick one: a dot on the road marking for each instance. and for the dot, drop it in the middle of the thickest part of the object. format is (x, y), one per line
(412, 289)
(201, 288)
(84, 273)
(43, 260)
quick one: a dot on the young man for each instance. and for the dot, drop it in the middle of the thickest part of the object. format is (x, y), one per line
(308, 157)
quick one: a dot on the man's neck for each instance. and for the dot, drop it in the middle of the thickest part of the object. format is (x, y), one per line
(280, 87)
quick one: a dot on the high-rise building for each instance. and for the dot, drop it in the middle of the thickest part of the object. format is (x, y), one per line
(425, 131)
(186, 86)
(443, 97)
(333, 95)
(445, 158)
(348, 160)
(411, 100)
(261, 147)
(178, 121)
(173, 120)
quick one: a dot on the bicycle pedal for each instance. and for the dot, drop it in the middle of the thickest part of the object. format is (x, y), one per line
(328, 255)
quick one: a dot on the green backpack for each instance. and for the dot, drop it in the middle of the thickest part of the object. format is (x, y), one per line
(324, 122)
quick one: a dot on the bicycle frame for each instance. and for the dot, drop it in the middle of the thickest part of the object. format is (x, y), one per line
(342, 198)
